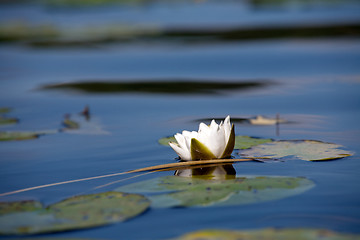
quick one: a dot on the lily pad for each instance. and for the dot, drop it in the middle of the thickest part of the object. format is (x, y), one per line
(165, 141)
(80, 124)
(241, 142)
(268, 234)
(245, 142)
(4, 110)
(308, 150)
(7, 121)
(85, 211)
(18, 136)
(175, 191)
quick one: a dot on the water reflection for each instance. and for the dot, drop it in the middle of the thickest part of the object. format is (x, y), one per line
(226, 171)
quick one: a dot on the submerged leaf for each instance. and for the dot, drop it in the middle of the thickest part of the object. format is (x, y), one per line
(308, 150)
(268, 234)
(174, 191)
(29, 217)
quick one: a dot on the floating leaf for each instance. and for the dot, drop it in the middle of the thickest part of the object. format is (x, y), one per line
(70, 124)
(308, 150)
(21, 206)
(82, 124)
(4, 110)
(29, 217)
(268, 234)
(6, 121)
(174, 191)
(244, 142)
(18, 136)
(241, 142)
(165, 141)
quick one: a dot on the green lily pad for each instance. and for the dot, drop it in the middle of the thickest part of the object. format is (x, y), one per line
(19, 136)
(268, 234)
(165, 141)
(308, 150)
(70, 124)
(245, 142)
(241, 142)
(21, 206)
(81, 124)
(5, 110)
(175, 191)
(85, 211)
(7, 121)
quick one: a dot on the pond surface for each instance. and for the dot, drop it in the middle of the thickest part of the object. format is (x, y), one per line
(312, 81)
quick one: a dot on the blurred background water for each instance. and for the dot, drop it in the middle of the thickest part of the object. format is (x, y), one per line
(297, 58)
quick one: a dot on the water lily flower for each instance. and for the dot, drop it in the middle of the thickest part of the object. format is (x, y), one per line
(209, 142)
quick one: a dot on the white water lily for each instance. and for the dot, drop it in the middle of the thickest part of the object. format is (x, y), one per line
(209, 142)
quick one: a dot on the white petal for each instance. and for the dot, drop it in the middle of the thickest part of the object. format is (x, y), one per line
(181, 141)
(214, 139)
(203, 128)
(188, 136)
(183, 153)
(227, 128)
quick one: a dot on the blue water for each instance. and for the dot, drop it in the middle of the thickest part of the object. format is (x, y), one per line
(313, 82)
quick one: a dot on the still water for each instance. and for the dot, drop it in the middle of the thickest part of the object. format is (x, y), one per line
(311, 81)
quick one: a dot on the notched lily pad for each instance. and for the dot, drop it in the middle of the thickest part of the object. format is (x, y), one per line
(268, 234)
(308, 150)
(85, 211)
(241, 142)
(174, 191)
